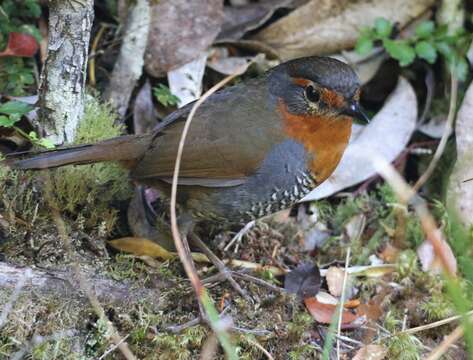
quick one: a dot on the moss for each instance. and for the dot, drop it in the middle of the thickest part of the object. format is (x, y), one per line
(404, 347)
(407, 265)
(306, 351)
(437, 307)
(300, 323)
(183, 346)
(87, 191)
(62, 349)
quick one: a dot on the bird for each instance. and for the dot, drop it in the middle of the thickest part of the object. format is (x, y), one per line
(253, 148)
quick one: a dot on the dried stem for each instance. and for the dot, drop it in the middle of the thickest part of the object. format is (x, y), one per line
(446, 133)
(181, 243)
(446, 343)
(342, 301)
(406, 194)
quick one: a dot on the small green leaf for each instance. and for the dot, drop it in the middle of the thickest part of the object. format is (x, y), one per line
(426, 51)
(48, 144)
(33, 136)
(383, 27)
(364, 45)
(446, 50)
(6, 121)
(400, 50)
(425, 29)
(164, 96)
(15, 107)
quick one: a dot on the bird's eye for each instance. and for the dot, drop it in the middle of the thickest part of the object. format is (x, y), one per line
(312, 94)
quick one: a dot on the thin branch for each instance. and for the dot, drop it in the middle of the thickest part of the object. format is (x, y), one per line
(446, 133)
(446, 343)
(406, 194)
(342, 301)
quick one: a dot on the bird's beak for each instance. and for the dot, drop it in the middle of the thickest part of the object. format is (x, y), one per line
(355, 110)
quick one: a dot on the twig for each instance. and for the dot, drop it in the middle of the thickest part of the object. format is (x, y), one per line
(446, 133)
(113, 348)
(262, 349)
(93, 49)
(342, 301)
(221, 267)
(181, 244)
(405, 194)
(446, 343)
(436, 323)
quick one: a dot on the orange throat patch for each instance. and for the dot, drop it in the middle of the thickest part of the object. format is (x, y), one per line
(324, 138)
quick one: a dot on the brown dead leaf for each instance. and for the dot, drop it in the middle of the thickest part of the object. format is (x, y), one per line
(371, 311)
(180, 31)
(324, 313)
(371, 352)
(141, 247)
(334, 278)
(328, 26)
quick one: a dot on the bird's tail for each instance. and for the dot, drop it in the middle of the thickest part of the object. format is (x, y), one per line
(124, 149)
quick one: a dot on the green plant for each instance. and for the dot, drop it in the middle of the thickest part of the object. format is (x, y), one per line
(11, 112)
(164, 96)
(429, 41)
(16, 73)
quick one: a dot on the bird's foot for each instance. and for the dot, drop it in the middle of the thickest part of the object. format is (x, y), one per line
(236, 240)
(226, 273)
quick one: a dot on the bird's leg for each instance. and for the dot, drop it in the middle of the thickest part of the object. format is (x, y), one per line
(226, 273)
(239, 235)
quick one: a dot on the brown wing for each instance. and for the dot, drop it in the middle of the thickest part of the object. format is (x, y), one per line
(229, 138)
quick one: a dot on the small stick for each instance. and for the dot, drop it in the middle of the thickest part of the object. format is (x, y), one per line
(446, 343)
(342, 301)
(446, 133)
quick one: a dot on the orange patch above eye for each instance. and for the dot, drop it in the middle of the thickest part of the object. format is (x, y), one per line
(301, 81)
(332, 99)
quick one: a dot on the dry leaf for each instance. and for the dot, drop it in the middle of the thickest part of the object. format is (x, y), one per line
(355, 226)
(303, 281)
(324, 313)
(371, 311)
(368, 270)
(238, 20)
(429, 259)
(141, 247)
(144, 113)
(398, 119)
(180, 32)
(371, 352)
(334, 278)
(328, 26)
(325, 298)
(145, 247)
(460, 190)
(185, 82)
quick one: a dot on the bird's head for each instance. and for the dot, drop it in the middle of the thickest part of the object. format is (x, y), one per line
(317, 86)
(317, 99)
